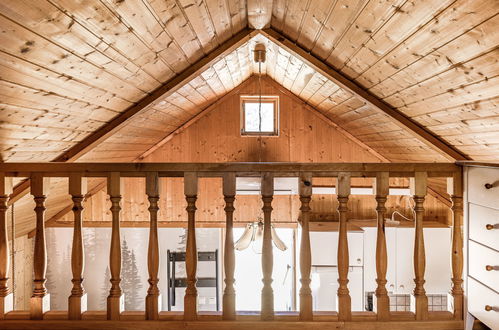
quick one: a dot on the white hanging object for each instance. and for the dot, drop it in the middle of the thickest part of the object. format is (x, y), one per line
(253, 233)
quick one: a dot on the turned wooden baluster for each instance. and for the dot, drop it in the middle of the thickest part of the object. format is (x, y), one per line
(77, 302)
(115, 303)
(382, 300)
(418, 189)
(6, 297)
(152, 298)
(191, 254)
(40, 302)
(267, 308)
(229, 297)
(455, 190)
(344, 300)
(305, 190)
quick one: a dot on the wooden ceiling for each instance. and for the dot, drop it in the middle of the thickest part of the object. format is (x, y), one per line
(434, 61)
(72, 71)
(69, 67)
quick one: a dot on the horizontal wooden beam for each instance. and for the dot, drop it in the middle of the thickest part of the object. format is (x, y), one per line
(283, 321)
(344, 82)
(217, 169)
(164, 224)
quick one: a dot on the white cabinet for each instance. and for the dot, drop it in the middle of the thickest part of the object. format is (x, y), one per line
(325, 288)
(483, 187)
(324, 245)
(324, 250)
(482, 224)
(479, 230)
(370, 234)
(400, 250)
(404, 260)
(437, 242)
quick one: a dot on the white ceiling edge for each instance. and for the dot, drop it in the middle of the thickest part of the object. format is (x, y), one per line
(289, 186)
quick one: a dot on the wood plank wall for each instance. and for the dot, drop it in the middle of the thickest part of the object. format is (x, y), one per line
(216, 138)
(304, 137)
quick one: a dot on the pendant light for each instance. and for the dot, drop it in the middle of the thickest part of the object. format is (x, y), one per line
(253, 235)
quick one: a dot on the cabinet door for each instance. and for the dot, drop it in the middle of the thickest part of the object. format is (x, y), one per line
(404, 260)
(370, 235)
(324, 245)
(391, 248)
(438, 260)
(437, 250)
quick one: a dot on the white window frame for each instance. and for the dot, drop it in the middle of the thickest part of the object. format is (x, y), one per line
(264, 99)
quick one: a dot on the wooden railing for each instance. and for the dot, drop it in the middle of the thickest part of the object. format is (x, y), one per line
(77, 172)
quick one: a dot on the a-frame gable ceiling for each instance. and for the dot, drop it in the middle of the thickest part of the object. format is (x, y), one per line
(80, 76)
(68, 68)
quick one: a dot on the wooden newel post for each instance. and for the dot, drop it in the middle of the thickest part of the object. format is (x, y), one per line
(267, 312)
(455, 190)
(115, 301)
(229, 297)
(305, 190)
(418, 186)
(40, 300)
(152, 298)
(6, 296)
(191, 254)
(77, 302)
(344, 299)
(382, 301)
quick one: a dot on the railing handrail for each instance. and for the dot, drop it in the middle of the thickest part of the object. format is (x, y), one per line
(417, 173)
(131, 169)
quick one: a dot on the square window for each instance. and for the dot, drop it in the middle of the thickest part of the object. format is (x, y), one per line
(260, 116)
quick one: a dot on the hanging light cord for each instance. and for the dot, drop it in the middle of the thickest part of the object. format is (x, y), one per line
(403, 216)
(13, 237)
(260, 94)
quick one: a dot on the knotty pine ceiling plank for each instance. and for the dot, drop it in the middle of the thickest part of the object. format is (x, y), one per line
(448, 151)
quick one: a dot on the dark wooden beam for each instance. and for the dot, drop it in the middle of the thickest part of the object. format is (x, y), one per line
(344, 82)
(347, 134)
(193, 120)
(161, 92)
(330, 122)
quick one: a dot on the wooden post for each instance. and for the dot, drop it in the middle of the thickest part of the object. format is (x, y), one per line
(267, 312)
(77, 302)
(418, 189)
(455, 190)
(344, 300)
(115, 302)
(305, 190)
(40, 300)
(229, 297)
(382, 300)
(6, 297)
(152, 298)
(191, 254)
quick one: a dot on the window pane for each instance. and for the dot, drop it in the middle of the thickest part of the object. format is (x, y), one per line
(252, 117)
